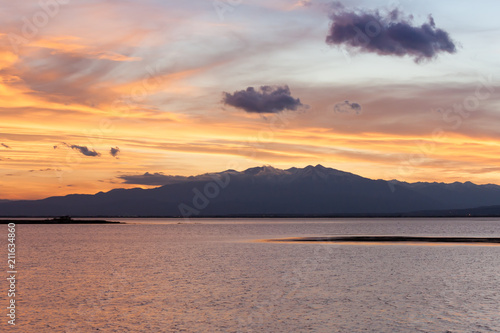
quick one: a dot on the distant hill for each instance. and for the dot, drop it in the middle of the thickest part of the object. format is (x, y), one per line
(488, 211)
(264, 191)
(457, 194)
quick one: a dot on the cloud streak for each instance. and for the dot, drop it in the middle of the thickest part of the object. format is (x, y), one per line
(84, 150)
(6, 146)
(392, 34)
(266, 99)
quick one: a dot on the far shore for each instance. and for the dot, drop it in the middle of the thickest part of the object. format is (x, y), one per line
(392, 239)
(269, 216)
(57, 220)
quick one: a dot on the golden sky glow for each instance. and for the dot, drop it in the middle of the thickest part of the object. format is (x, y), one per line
(148, 77)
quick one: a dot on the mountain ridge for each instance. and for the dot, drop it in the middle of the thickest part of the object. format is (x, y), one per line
(309, 191)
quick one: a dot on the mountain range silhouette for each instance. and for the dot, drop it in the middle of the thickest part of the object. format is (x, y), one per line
(267, 191)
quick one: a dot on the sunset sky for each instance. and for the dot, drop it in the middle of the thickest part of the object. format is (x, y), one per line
(96, 90)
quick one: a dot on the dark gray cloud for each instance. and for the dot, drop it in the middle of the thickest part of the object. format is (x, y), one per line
(159, 178)
(387, 34)
(114, 151)
(6, 146)
(347, 107)
(84, 150)
(44, 170)
(156, 178)
(266, 99)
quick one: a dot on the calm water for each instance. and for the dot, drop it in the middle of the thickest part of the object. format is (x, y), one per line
(212, 276)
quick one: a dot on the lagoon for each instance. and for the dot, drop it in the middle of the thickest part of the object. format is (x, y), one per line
(222, 275)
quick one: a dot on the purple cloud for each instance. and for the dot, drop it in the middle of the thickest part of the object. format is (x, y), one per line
(84, 150)
(390, 34)
(114, 151)
(266, 99)
(347, 107)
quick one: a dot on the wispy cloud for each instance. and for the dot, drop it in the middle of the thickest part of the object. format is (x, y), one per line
(75, 46)
(44, 170)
